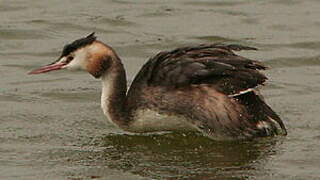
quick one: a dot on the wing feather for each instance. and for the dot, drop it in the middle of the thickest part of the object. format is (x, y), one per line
(223, 103)
(215, 64)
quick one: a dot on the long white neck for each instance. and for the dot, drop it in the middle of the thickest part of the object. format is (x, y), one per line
(113, 95)
(107, 91)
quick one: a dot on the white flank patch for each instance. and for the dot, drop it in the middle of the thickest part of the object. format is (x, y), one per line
(264, 126)
(241, 92)
(147, 120)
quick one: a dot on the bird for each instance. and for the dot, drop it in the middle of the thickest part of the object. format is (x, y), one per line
(204, 88)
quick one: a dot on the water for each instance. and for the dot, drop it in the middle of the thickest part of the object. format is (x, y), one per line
(51, 125)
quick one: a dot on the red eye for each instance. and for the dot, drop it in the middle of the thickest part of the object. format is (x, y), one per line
(70, 58)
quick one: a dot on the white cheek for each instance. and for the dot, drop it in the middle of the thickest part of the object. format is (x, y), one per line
(73, 65)
(79, 62)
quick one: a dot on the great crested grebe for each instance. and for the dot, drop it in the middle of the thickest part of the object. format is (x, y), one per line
(204, 88)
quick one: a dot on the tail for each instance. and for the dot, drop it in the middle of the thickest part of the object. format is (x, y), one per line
(266, 120)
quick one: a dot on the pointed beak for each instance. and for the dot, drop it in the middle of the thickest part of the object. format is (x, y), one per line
(47, 68)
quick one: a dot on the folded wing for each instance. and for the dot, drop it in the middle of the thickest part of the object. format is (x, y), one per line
(214, 64)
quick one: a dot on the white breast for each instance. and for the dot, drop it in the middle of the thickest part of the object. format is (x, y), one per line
(147, 120)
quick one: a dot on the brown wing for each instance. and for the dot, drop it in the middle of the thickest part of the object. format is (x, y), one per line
(204, 84)
(214, 64)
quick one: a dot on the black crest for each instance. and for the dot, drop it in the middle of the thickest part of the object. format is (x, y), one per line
(78, 44)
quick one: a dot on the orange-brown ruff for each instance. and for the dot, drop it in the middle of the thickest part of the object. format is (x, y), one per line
(205, 88)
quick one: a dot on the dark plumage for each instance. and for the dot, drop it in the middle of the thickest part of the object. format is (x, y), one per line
(79, 43)
(212, 87)
(206, 88)
(213, 64)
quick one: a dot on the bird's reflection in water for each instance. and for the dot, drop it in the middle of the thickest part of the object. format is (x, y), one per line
(187, 155)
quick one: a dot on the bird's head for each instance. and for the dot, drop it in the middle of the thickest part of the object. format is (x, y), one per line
(86, 54)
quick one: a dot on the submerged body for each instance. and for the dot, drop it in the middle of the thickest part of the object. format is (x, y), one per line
(204, 88)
